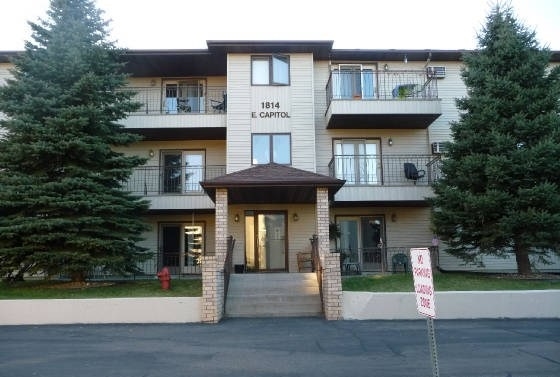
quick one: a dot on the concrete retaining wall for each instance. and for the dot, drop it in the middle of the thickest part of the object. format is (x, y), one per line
(356, 305)
(112, 310)
(454, 305)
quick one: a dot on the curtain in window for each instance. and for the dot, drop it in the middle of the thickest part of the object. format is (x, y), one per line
(368, 84)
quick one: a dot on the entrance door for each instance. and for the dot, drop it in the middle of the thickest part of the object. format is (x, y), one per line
(182, 246)
(265, 246)
(362, 240)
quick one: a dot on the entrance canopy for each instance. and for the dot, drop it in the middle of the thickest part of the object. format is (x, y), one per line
(272, 183)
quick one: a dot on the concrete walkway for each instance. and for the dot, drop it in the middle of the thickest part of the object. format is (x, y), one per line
(283, 347)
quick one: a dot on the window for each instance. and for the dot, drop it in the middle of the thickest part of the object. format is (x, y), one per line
(182, 171)
(357, 161)
(353, 81)
(270, 70)
(181, 247)
(186, 96)
(269, 148)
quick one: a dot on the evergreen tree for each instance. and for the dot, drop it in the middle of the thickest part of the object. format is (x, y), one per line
(501, 187)
(62, 209)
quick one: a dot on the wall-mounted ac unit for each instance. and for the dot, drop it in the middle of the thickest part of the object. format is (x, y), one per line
(439, 147)
(437, 72)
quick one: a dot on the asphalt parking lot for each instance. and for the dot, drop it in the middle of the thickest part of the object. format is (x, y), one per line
(284, 347)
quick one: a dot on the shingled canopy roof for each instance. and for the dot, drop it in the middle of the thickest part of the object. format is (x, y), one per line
(272, 183)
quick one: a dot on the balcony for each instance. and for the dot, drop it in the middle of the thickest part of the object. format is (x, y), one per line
(384, 178)
(382, 99)
(171, 116)
(173, 187)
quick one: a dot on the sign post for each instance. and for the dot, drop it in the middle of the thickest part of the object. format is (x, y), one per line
(425, 296)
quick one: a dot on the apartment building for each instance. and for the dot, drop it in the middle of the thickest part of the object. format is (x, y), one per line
(258, 146)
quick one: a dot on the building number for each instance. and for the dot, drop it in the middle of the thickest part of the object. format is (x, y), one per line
(270, 105)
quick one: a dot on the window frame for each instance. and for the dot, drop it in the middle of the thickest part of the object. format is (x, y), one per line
(271, 147)
(271, 59)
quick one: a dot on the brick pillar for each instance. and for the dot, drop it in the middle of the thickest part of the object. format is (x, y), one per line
(213, 266)
(332, 286)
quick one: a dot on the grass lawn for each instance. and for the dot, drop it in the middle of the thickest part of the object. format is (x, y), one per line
(41, 289)
(137, 288)
(449, 282)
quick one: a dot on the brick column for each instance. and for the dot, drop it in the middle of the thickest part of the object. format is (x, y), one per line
(213, 266)
(332, 286)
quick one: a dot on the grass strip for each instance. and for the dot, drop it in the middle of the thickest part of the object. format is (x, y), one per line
(131, 288)
(450, 282)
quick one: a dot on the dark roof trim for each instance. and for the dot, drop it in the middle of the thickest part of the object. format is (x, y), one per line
(320, 49)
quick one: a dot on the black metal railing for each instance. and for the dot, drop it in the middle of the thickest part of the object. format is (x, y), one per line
(379, 259)
(228, 265)
(317, 266)
(157, 101)
(382, 170)
(170, 180)
(180, 265)
(368, 84)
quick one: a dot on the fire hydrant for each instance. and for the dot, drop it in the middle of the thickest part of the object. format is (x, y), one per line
(164, 278)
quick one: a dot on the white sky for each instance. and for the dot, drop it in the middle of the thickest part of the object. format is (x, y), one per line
(363, 24)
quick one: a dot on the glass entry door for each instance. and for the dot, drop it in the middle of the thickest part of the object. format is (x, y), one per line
(265, 246)
(362, 240)
(181, 247)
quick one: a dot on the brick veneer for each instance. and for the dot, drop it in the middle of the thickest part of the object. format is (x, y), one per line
(332, 286)
(213, 266)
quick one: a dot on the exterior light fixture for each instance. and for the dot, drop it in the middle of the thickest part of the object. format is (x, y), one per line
(236, 218)
(151, 153)
(405, 60)
(394, 217)
(390, 141)
(386, 67)
(295, 217)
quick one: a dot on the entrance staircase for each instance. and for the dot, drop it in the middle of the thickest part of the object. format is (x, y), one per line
(273, 295)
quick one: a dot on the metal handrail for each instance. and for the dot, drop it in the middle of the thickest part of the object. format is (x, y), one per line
(170, 180)
(368, 84)
(379, 259)
(317, 266)
(155, 101)
(383, 170)
(228, 266)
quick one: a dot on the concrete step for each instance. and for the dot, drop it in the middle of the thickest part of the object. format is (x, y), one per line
(273, 295)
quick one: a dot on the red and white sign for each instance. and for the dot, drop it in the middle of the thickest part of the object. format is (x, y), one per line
(423, 281)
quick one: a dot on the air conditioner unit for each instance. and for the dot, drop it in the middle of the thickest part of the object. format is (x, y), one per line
(437, 72)
(439, 147)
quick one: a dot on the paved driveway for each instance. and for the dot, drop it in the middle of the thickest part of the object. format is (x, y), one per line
(283, 347)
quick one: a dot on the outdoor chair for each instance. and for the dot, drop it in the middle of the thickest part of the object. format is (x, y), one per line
(410, 172)
(305, 262)
(219, 106)
(400, 259)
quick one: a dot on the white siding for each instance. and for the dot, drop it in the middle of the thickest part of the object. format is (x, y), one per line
(245, 105)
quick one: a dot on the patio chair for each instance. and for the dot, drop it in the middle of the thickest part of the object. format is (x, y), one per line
(400, 259)
(219, 106)
(410, 172)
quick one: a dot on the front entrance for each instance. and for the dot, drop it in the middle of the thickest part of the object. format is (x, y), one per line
(362, 240)
(181, 247)
(265, 241)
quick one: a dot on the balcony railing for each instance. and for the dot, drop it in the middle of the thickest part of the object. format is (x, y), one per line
(154, 100)
(171, 180)
(380, 259)
(377, 170)
(381, 85)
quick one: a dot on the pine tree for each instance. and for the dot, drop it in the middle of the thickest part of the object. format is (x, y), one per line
(62, 210)
(501, 187)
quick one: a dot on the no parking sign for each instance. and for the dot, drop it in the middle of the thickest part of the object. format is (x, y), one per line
(423, 281)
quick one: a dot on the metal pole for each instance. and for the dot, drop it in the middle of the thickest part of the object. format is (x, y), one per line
(433, 346)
